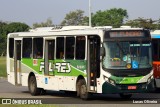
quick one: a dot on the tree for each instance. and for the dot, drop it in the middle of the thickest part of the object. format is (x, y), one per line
(113, 17)
(16, 27)
(6, 28)
(158, 24)
(2, 37)
(144, 23)
(47, 23)
(75, 18)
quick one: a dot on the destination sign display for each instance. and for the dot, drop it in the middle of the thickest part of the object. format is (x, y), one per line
(133, 33)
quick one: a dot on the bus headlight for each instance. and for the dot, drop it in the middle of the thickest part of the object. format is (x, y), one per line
(109, 80)
(106, 78)
(149, 79)
(112, 82)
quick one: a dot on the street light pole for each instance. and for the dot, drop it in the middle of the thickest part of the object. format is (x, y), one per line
(90, 22)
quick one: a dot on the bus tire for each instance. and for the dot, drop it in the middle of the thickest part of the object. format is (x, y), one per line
(82, 90)
(33, 86)
(125, 96)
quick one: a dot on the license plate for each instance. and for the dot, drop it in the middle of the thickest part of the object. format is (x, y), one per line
(132, 87)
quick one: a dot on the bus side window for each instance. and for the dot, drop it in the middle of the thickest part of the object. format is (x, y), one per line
(80, 47)
(70, 44)
(60, 47)
(11, 47)
(37, 48)
(27, 48)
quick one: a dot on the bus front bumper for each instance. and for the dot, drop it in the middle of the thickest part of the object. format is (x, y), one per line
(127, 88)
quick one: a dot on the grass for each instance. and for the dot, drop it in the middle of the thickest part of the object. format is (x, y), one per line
(3, 72)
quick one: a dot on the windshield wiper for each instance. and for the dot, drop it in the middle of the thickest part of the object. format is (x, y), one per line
(121, 49)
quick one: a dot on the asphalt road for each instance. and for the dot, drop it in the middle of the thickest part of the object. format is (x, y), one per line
(10, 91)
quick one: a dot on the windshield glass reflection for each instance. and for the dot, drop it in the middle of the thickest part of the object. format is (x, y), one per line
(127, 55)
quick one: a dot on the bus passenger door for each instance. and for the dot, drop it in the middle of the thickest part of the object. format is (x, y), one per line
(17, 62)
(93, 58)
(49, 81)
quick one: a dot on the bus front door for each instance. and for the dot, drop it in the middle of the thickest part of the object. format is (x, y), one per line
(50, 82)
(17, 62)
(93, 62)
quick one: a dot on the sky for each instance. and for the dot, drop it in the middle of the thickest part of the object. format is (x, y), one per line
(37, 11)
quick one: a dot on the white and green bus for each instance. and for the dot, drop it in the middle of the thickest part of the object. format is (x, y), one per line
(82, 59)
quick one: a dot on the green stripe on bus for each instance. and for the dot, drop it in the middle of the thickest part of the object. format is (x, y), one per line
(78, 67)
(126, 80)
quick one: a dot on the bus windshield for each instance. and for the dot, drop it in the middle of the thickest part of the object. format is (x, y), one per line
(127, 55)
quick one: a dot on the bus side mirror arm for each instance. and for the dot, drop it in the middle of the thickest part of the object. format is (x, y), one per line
(102, 51)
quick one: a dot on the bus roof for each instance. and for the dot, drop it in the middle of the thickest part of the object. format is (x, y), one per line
(58, 31)
(60, 28)
(67, 30)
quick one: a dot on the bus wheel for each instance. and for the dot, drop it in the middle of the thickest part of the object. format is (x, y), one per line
(33, 86)
(83, 90)
(125, 96)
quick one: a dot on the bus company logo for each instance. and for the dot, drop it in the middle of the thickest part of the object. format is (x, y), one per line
(6, 101)
(42, 66)
(61, 67)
